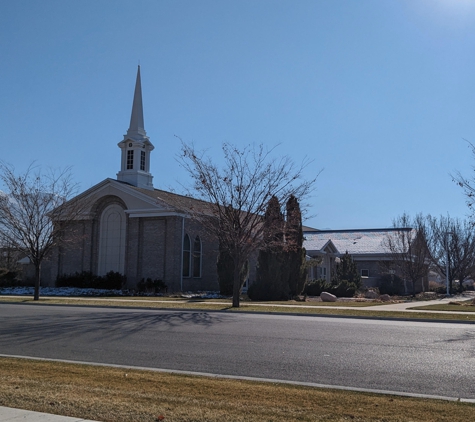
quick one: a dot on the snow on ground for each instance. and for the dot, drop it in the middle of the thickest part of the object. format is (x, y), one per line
(74, 291)
(59, 291)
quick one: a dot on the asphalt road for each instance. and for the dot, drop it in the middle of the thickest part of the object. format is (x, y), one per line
(413, 357)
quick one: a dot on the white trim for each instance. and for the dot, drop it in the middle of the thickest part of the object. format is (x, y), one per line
(181, 257)
(190, 260)
(193, 258)
(120, 243)
(153, 213)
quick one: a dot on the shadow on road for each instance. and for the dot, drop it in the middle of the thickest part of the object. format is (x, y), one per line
(43, 326)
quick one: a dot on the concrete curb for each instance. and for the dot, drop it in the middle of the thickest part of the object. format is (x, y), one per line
(253, 379)
(277, 313)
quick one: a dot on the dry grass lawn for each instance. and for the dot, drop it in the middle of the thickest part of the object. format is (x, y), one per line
(115, 395)
(455, 306)
(360, 309)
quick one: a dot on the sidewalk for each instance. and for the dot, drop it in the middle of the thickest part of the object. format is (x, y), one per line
(8, 414)
(398, 307)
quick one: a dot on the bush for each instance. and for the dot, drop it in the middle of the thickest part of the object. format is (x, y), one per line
(267, 291)
(341, 289)
(151, 286)
(83, 280)
(316, 287)
(111, 281)
(8, 278)
(87, 280)
(344, 289)
(390, 284)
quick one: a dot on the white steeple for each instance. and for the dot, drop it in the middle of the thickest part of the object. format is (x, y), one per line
(136, 146)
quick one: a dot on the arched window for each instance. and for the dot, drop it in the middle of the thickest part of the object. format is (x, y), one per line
(186, 256)
(112, 240)
(197, 257)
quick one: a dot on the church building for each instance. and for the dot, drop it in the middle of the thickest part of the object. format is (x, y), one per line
(132, 228)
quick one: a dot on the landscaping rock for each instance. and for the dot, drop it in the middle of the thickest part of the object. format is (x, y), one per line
(385, 298)
(327, 297)
(371, 294)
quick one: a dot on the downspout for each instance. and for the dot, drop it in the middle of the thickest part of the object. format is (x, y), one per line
(181, 252)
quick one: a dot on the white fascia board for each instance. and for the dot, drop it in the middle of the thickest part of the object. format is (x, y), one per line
(132, 192)
(153, 213)
(315, 252)
(372, 257)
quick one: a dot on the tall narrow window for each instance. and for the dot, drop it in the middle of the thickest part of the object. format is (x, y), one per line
(186, 256)
(130, 159)
(112, 240)
(142, 160)
(197, 257)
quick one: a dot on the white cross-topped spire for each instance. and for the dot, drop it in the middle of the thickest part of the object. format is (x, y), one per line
(136, 128)
(136, 146)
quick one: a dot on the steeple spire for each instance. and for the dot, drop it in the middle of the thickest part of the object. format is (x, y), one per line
(136, 147)
(136, 128)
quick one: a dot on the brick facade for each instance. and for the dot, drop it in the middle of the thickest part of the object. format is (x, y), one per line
(153, 249)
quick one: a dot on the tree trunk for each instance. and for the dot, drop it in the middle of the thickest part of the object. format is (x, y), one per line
(37, 282)
(236, 285)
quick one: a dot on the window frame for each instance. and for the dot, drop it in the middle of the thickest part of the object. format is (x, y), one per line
(130, 159)
(186, 257)
(364, 270)
(142, 160)
(196, 257)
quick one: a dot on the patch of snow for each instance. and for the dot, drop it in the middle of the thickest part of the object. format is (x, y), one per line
(74, 291)
(60, 291)
(202, 295)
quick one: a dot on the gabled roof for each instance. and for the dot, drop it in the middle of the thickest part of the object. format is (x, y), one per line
(365, 241)
(178, 202)
(142, 201)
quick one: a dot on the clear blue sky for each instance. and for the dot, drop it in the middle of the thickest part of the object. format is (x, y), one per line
(379, 93)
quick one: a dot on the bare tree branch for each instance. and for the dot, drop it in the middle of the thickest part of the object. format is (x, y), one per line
(34, 211)
(452, 246)
(408, 248)
(237, 194)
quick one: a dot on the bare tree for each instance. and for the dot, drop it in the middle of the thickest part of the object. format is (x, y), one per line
(408, 248)
(34, 211)
(452, 247)
(237, 194)
(467, 184)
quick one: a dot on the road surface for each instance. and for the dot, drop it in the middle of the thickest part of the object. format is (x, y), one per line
(401, 356)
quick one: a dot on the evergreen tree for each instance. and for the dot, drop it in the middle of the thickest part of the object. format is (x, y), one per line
(271, 283)
(295, 257)
(346, 272)
(225, 268)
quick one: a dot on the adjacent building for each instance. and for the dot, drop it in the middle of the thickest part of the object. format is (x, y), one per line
(367, 247)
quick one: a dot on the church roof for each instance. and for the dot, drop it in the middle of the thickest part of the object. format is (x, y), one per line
(176, 201)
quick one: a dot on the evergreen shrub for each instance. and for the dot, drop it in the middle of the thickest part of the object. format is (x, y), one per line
(81, 280)
(390, 284)
(343, 288)
(87, 280)
(8, 278)
(151, 286)
(316, 287)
